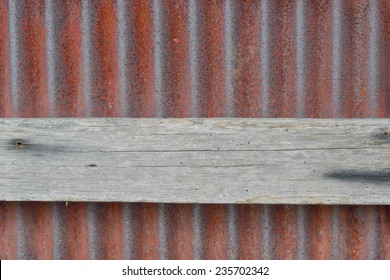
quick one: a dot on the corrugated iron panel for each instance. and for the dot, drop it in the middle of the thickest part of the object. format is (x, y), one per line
(200, 58)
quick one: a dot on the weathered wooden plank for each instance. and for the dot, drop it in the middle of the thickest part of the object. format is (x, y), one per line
(306, 161)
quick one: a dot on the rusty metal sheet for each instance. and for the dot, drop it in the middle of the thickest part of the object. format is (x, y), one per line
(198, 58)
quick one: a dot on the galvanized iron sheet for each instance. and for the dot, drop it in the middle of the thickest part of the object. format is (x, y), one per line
(199, 58)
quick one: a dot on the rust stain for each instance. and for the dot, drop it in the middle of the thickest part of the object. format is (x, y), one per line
(37, 234)
(285, 219)
(32, 96)
(320, 232)
(250, 232)
(215, 232)
(212, 68)
(73, 229)
(283, 88)
(69, 100)
(140, 100)
(384, 58)
(180, 232)
(176, 63)
(354, 96)
(319, 67)
(247, 77)
(146, 231)
(108, 242)
(6, 108)
(384, 222)
(8, 231)
(104, 91)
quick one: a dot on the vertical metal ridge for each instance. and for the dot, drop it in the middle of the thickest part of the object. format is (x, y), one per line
(176, 62)
(193, 26)
(233, 251)
(215, 231)
(322, 70)
(20, 244)
(179, 236)
(354, 98)
(283, 88)
(105, 229)
(59, 235)
(197, 229)
(158, 57)
(110, 234)
(103, 95)
(140, 68)
(163, 231)
(336, 233)
(336, 58)
(320, 232)
(212, 68)
(302, 224)
(50, 53)
(372, 235)
(92, 231)
(246, 74)
(343, 245)
(229, 55)
(384, 232)
(213, 103)
(357, 221)
(72, 223)
(64, 55)
(8, 231)
(124, 22)
(14, 53)
(354, 222)
(36, 230)
(65, 64)
(264, 57)
(250, 232)
(285, 226)
(145, 228)
(383, 98)
(86, 55)
(301, 43)
(104, 70)
(128, 233)
(6, 107)
(70, 233)
(30, 99)
(373, 59)
(31, 96)
(267, 241)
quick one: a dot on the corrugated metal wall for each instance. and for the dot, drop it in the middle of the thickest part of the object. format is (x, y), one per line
(199, 58)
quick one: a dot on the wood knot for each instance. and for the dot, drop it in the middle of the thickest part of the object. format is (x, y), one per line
(20, 144)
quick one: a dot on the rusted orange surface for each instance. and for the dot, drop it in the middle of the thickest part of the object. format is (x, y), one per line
(194, 58)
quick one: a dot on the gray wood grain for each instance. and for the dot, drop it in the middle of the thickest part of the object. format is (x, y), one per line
(305, 161)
